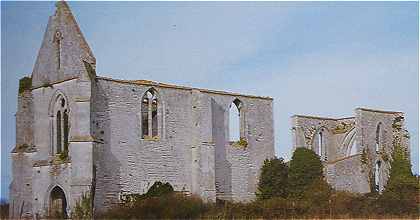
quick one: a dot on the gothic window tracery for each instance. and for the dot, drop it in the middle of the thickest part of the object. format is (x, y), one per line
(350, 143)
(61, 127)
(149, 115)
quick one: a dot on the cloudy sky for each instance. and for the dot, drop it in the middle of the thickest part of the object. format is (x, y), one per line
(313, 58)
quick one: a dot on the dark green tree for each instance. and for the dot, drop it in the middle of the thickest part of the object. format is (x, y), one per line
(159, 189)
(273, 179)
(304, 168)
(399, 196)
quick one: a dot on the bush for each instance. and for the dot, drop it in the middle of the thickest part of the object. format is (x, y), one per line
(166, 206)
(4, 210)
(317, 197)
(400, 194)
(160, 202)
(304, 168)
(83, 208)
(25, 83)
(273, 179)
(159, 189)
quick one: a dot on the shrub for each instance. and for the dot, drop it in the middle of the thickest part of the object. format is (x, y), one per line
(4, 210)
(25, 83)
(63, 156)
(317, 197)
(83, 208)
(241, 143)
(304, 168)
(159, 189)
(273, 179)
(399, 196)
(168, 206)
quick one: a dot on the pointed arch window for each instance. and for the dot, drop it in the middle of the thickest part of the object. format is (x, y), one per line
(350, 143)
(61, 126)
(66, 130)
(319, 145)
(378, 138)
(353, 148)
(58, 133)
(235, 122)
(149, 115)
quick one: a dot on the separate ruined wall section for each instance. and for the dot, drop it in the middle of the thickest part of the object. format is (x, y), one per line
(358, 150)
(389, 127)
(335, 135)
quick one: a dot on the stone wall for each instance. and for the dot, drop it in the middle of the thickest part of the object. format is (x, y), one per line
(20, 188)
(38, 164)
(334, 133)
(191, 151)
(347, 174)
(368, 121)
(344, 168)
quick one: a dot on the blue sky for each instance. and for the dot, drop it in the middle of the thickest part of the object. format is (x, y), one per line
(314, 58)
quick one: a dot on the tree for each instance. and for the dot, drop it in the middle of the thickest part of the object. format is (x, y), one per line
(304, 168)
(399, 196)
(317, 196)
(159, 189)
(273, 179)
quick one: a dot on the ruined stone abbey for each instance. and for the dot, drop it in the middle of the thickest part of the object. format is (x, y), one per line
(78, 134)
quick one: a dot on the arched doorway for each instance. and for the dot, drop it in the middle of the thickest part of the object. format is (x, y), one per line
(58, 203)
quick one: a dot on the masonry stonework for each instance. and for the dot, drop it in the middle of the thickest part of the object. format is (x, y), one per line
(81, 134)
(356, 151)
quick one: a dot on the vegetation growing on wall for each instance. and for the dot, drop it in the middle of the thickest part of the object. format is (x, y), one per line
(150, 138)
(397, 123)
(400, 193)
(63, 156)
(83, 207)
(364, 157)
(241, 143)
(317, 200)
(22, 147)
(384, 155)
(25, 84)
(343, 127)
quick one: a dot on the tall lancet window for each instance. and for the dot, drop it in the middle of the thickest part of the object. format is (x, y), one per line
(149, 115)
(378, 187)
(66, 130)
(235, 120)
(319, 145)
(57, 40)
(58, 133)
(61, 125)
(378, 138)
